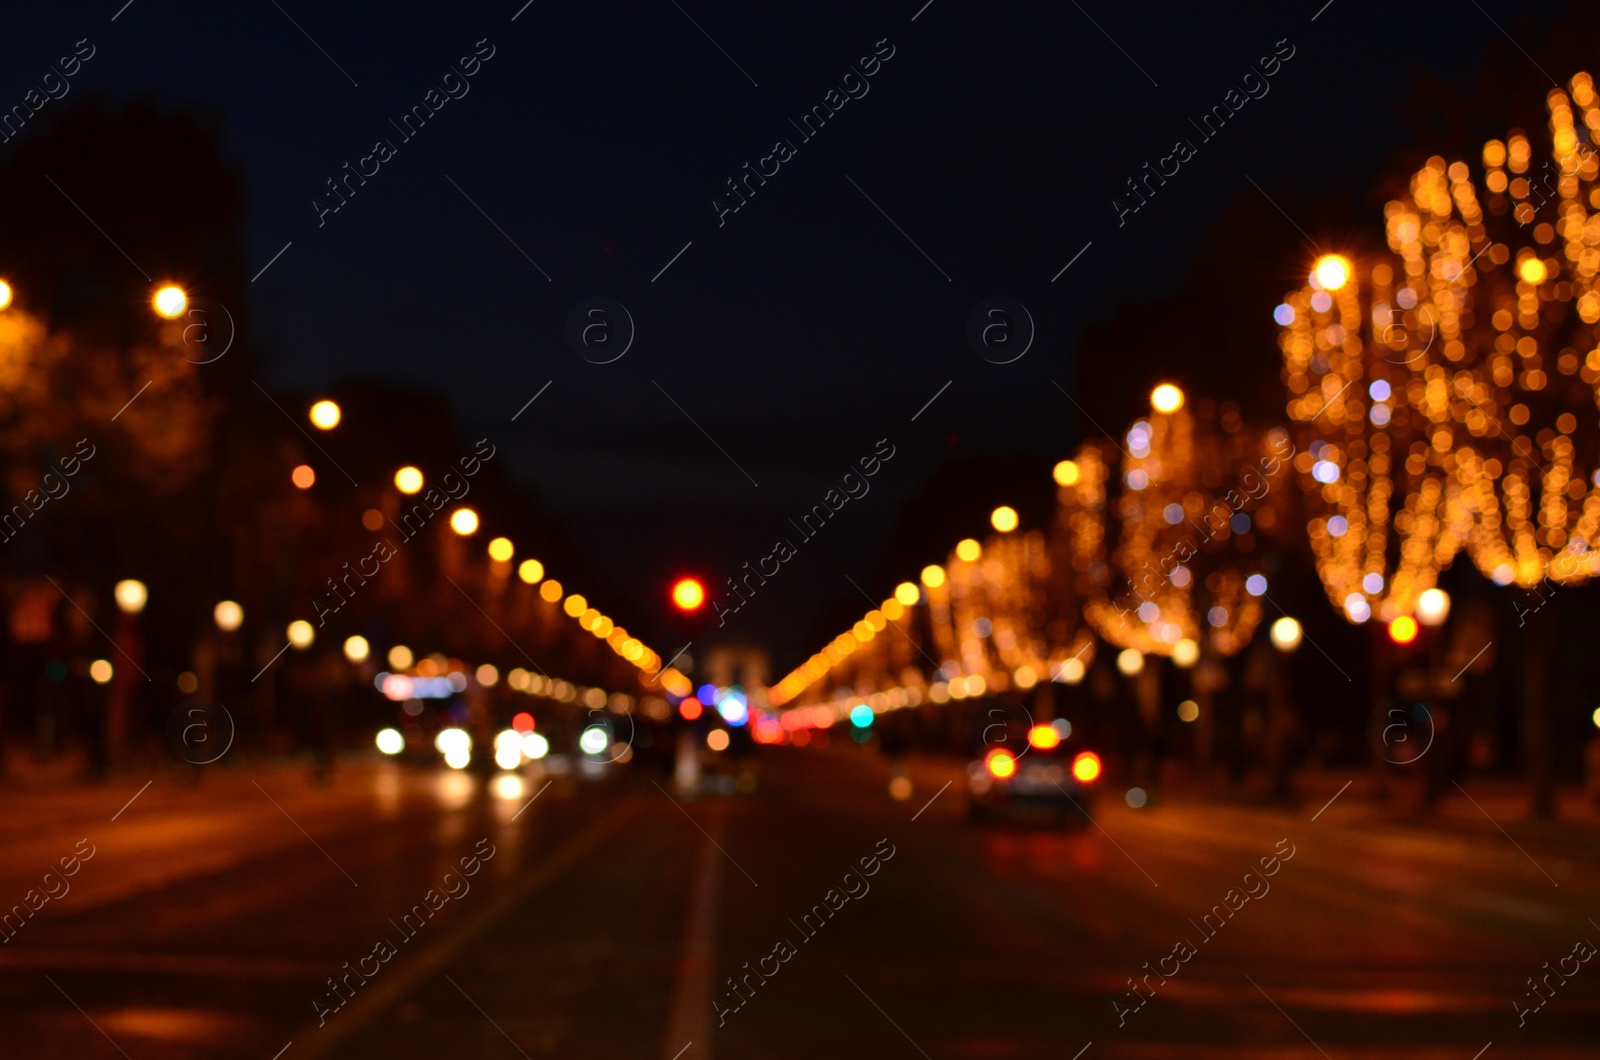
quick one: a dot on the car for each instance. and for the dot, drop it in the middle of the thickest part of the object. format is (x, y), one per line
(1038, 772)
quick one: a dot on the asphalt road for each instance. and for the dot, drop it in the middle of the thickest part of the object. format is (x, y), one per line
(213, 918)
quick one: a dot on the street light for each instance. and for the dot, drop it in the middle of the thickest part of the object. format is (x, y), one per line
(1286, 634)
(131, 596)
(170, 301)
(1331, 272)
(1433, 607)
(228, 615)
(1166, 398)
(1066, 473)
(5, 294)
(325, 415)
(1185, 653)
(907, 594)
(968, 550)
(464, 521)
(408, 479)
(933, 576)
(1403, 630)
(356, 649)
(1130, 661)
(501, 549)
(1004, 519)
(303, 477)
(530, 571)
(400, 657)
(301, 634)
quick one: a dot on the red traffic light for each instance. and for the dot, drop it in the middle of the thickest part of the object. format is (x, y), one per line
(688, 594)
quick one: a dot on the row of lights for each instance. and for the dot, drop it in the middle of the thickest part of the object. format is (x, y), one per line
(169, 300)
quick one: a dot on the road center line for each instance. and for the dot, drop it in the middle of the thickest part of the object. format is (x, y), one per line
(689, 1018)
(383, 994)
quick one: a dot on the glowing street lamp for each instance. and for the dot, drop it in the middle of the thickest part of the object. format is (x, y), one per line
(1286, 634)
(325, 415)
(131, 596)
(1004, 519)
(408, 480)
(1164, 398)
(5, 294)
(464, 521)
(1331, 272)
(356, 649)
(531, 571)
(501, 549)
(228, 615)
(1433, 607)
(301, 634)
(170, 301)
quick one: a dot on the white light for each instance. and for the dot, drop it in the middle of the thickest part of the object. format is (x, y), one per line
(1433, 607)
(453, 740)
(458, 759)
(509, 787)
(1217, 616)
(593, 741)
(1284, 315)
(1325, 471)
(1185, 653)
(1148, 612)
(1356, 608)
(1130, 661)
(390, 742)
(1286, 634)
(1255, 585)
(1373, 583)
(1338, 526)
(535, 746)
(507, 738)
(508, 756)
(1070, 672)
(1503, 574)
(1379, 390)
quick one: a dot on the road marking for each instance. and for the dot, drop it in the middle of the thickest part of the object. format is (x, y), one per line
(931, 401)
(689, 1015)
(888, 1017)
(380, 997)
(130, 801)
(930, 801)
(1331, 801)
(707, 834)
(1507, 834)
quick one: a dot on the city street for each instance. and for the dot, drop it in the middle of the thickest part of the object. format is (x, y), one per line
(606, 919)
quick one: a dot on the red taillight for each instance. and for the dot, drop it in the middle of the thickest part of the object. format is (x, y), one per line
(1044, 737)
(1001, 763)
(1086, 767)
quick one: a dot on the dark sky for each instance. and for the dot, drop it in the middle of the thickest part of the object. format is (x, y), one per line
(810, 325)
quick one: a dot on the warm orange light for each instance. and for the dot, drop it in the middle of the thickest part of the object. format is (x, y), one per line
(303, 477)
(408, 480)
(1403, 630)
(932, 576)
(531, 571)
(688, 594)
(1066, 473)
(907, 594)
(464, 521)
(325, 415)
(501, 549)
(1001, 763)
(968, 550)
(1331, 272)
(1044, 737)
(5, 294)
(1166, 398)
(1531, 270)
(1086, 767)
(170, 301)
(1003, 519)
(690, 709)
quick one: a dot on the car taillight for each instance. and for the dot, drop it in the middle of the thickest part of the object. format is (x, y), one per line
(1001, 763)
(1044, 737)
(1086, 767)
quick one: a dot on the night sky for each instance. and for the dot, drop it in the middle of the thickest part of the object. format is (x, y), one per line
(818, 319)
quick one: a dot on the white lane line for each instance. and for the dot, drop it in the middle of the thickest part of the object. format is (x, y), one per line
(689, 1016)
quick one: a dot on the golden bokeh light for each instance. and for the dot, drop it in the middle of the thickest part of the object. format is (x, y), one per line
(1166, 398)
(464, 521)
(501, 549)
(531, 571)
(1331, 272)
(408, 479)
(170, 301)
(1003, 519)
(325, 415)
